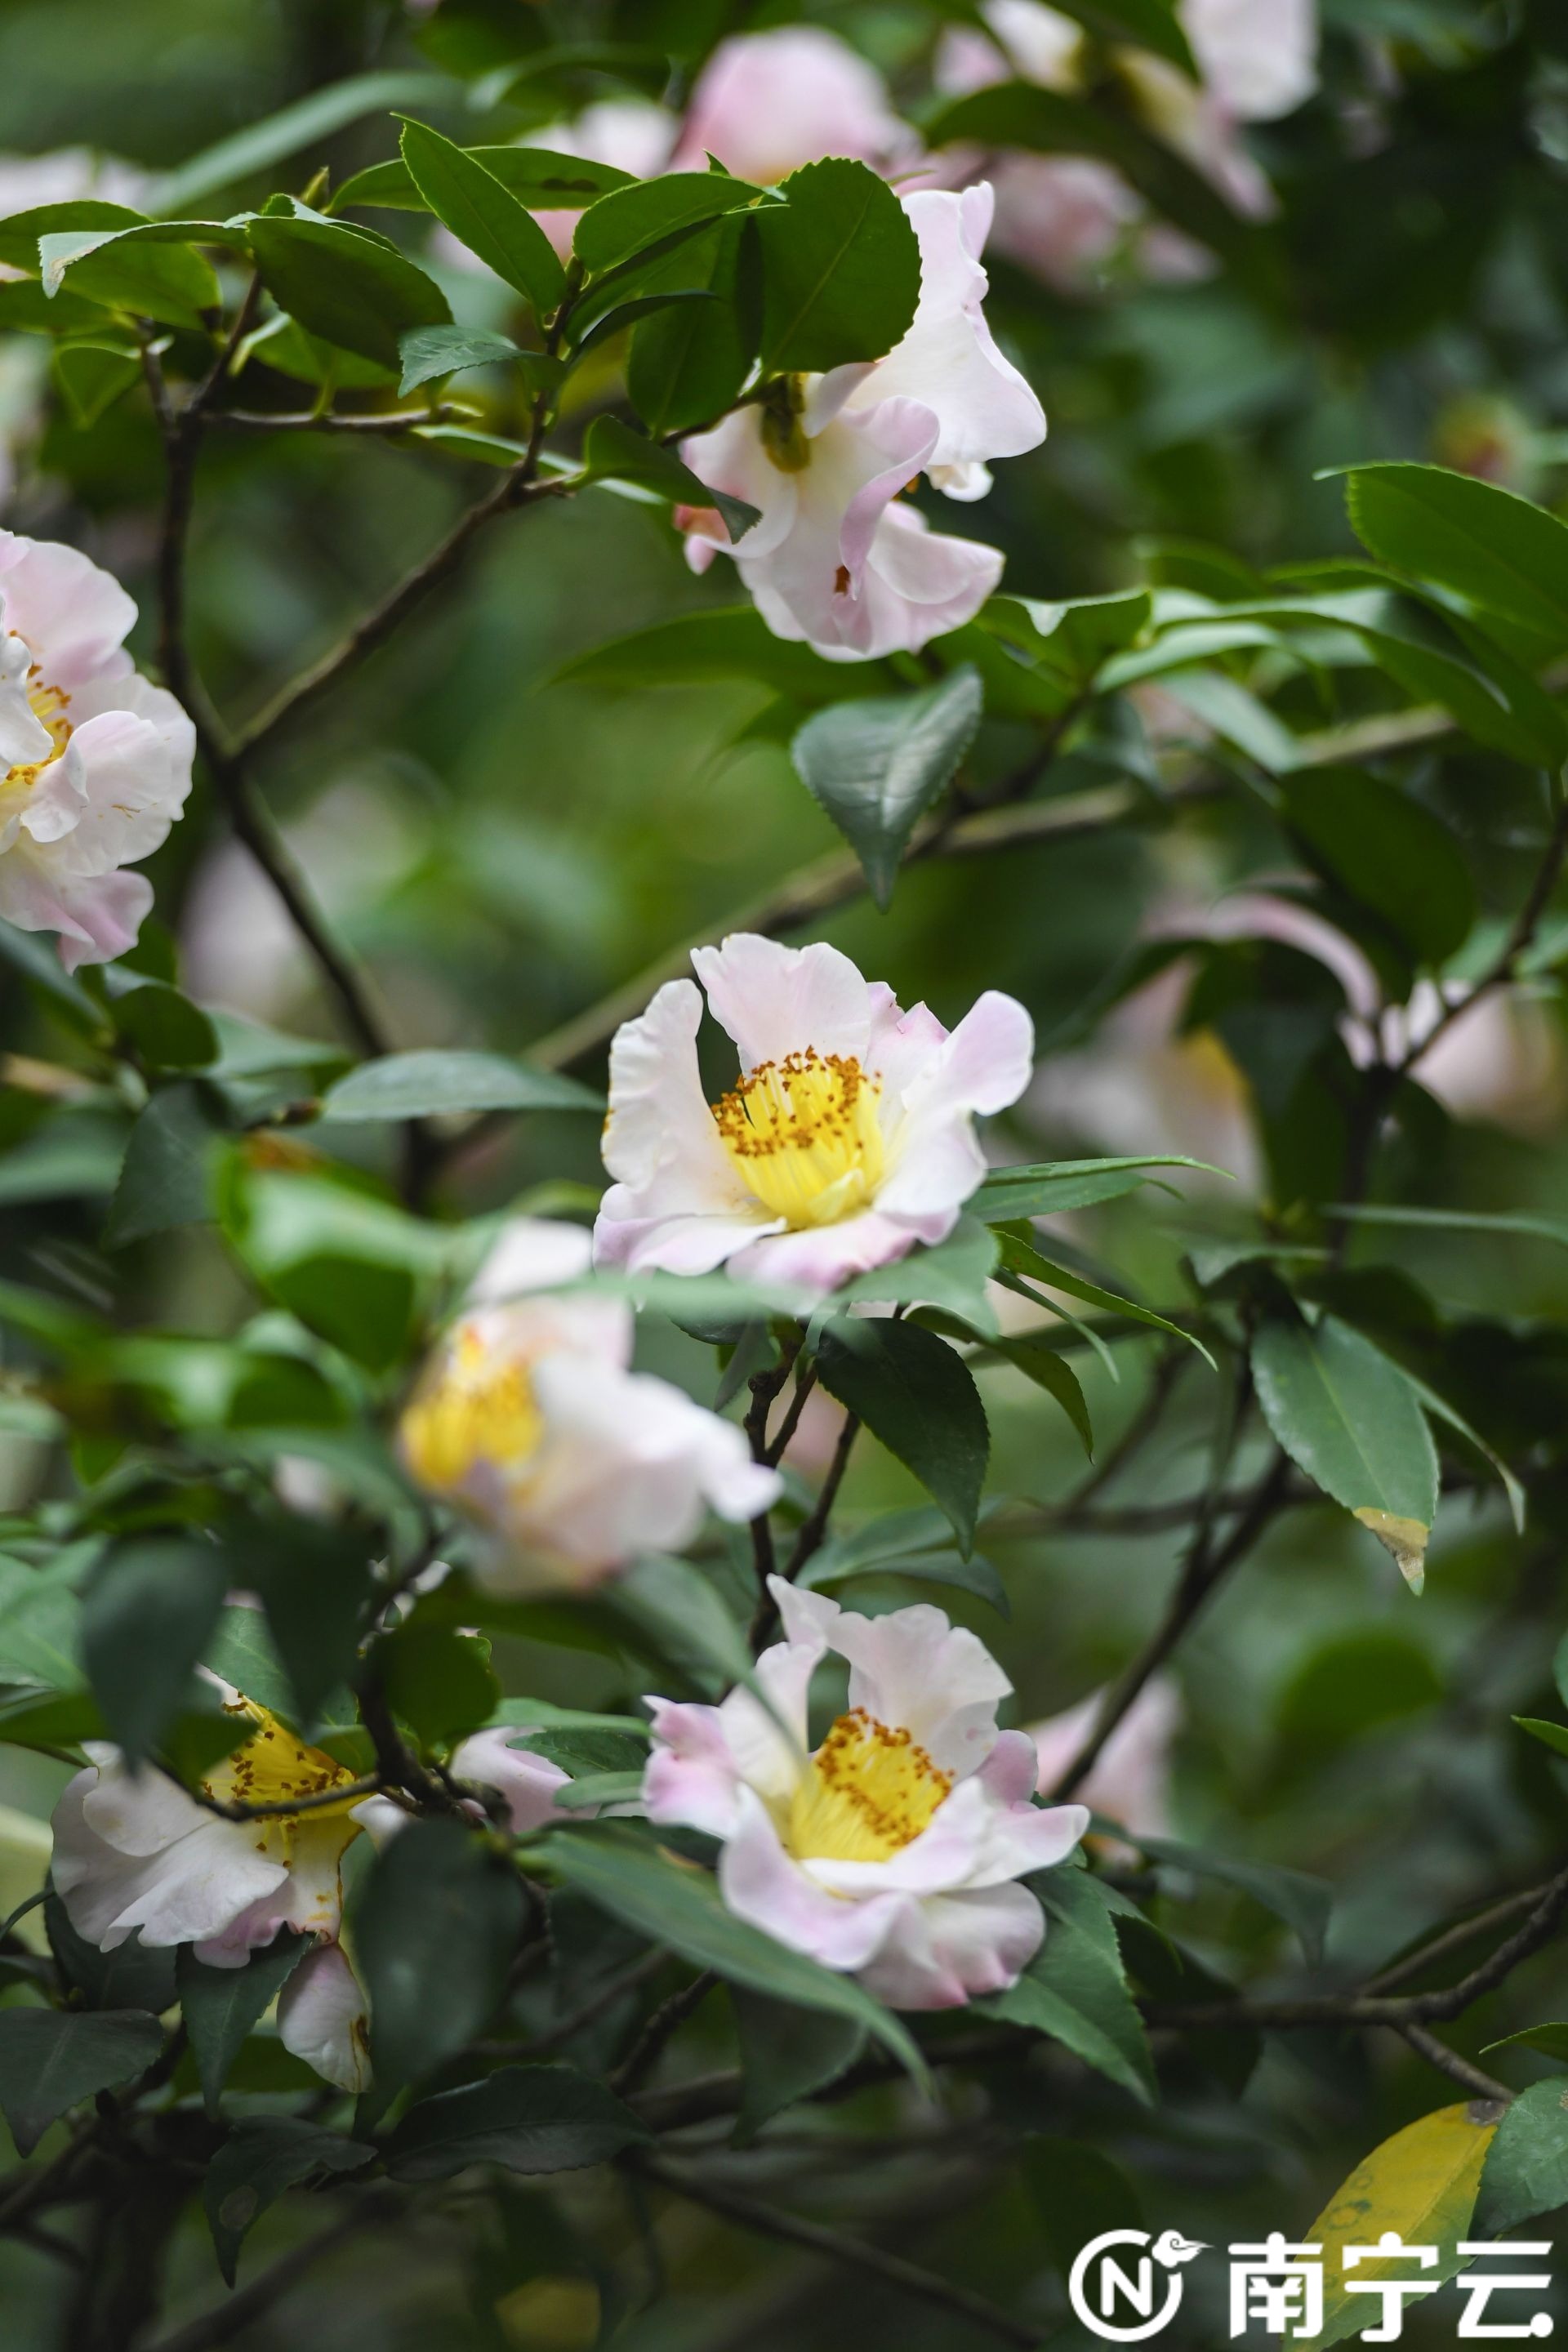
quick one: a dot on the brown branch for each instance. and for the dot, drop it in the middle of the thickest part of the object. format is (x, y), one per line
(1453, 1940)
(279, 1808)
(1458, 2070)
(854, 2254)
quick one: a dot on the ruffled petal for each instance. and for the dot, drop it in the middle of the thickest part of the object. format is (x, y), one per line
(958, 1948)
(775, 1000)
(916, 1671)
(692, 1776)
(662, 1146)
(74, 616)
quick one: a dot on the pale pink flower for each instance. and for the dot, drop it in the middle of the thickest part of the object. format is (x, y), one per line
(850, 1137)
(766, 103)
(836, 557)
(1259, 57)
(891, 1853)
(95, 763)
(1130, 1781)
(530, 1419)
(133, 1854)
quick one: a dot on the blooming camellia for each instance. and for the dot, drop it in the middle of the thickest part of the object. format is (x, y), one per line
(850, 1137)
(95, 763)
(133, 1854)
(530, 1420)
(766, 103)
(891, 1852)
(837, 559)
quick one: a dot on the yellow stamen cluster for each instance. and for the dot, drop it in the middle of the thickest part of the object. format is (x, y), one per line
(48, 706)
(273, 1767)
(866, 1793)
(804, 1134)
(477, 1407)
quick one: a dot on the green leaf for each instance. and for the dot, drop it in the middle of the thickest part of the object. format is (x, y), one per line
(841, 269)
(314, 1580)
(1550, 2038)
(876, 766)
(166, 1029)
(1075, 1989)
(543, 179)
(1421, 2184)
(1079, 2193)
(1347, 1415)
(1040, 1362)
(786, 2055)
(437, 1680)
(951, 1275)
(166, 1176)
(40, 1619)
(427, 351)
(612, 452)
(1048, 1188)
(676, 1903)
(1391, 854)
(435, 1932)
(345, 286)
(92, 375)
(689, 363)
(918, 1398)
(530, 2119)
(1463, 1220)
(261, 2157)
(1526, 2167)
(672, 1613)
(442, 1085)
(132, 1976)
(1551, 1735)
(733, 642)
(20, 232)
(147, 1618)
(632, 219)
(221, 2006)
(171, 283)
(485, 216)
(50, 2058)
(307, 123)
(1020, 1257)
(348, 1265)
(1488, 544)
(1302, 1901)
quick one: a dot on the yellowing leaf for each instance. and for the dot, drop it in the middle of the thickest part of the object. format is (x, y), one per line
(1422, 2184)
(1406, 1539)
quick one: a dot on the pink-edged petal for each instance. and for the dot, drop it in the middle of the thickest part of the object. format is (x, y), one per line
(767, 102)
(918, 584)
(671, 1244)
(322, 2019)
(528, 1783)
(73, 615)
(733, 459)
(691, 1776)
(661, 1141)
(760, 1883)
(1130, 1780)
(915, 1671)
(819, 1257)
(958, 1948)
(775, 1000)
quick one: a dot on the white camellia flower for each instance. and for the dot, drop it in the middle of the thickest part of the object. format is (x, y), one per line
(850, 1137)
(837, 559)
(891, 1852)
(133, 1853)
(530, 1419)
(95, 763)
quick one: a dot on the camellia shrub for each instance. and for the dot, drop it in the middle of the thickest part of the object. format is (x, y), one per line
(784, 1379)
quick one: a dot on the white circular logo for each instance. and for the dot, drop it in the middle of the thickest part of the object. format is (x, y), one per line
(1100, 2285)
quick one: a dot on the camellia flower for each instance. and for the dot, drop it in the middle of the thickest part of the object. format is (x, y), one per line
(850, 1137)
(890, 1852)
(1130, 1780)
(530, 1420)
(133, 1853)
(766, 103)
(836, 558)
(95, 763)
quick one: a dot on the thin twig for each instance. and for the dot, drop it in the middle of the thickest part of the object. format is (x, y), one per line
(666, 2021)
(1458, 2070)
(854, 2254)
(279, 1808)
(1453, 1940)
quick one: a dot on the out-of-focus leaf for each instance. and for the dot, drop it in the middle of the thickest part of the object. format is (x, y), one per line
(674, 1903)
(1079, 2193)
(50, 2058)
(485, 215)
(1302, 1901)
(1048, 1188)
(132, 1976)
(221, 2006)
(1551, 1735)
(1551, 2039)
(1393, 857)
(347, 287)
(166, 1176)
(1347, 1415)
(261, 2157)
(786, 2055)
(147, 1617)
(875, 767)
(733, 642)
(293, 128)
(437, 1679)
(92, 375)
(440, 1085)
(1421, 2184)
(1146, 23)
(841, 269)
(530, 2119)
(918, 1398)
(612, 452)
(672, 1612)
(1527, 1225)
(435, 1931)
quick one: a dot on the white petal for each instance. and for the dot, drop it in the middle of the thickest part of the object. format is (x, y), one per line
(914, 1671)
(775, 1000)
(528, 1782)
(958, 1948)
(660, 1140)
(74, 616)
(760, 1883)
(322, 2019)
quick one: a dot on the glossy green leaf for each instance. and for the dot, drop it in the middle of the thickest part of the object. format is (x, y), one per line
(261, 2157)
(1048, 1188)
(612, 452)
(841, 269)
(166, 1176)
(1075, 1987)
(221, 2006)
(147, 1618)
(435, 1084)
(344, 286)
(691, 361)
(1346, 1414)
(631, 219)
(1526, 2169)
(918, 1398)
(437, 1680)
(485, 215)
(92, 375)
(1488, 544)
(528, 2120)
(50, 2058)
(786, 2055)
(428, 351)
(170, 282)
(435, 1931)
(543, 179)
(1391, 854)
(876, 766)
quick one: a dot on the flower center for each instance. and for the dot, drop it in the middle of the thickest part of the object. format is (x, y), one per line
(865, 1794)
(479, 1408)
(48, 706)
(804, 1134)
(272, 1768)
